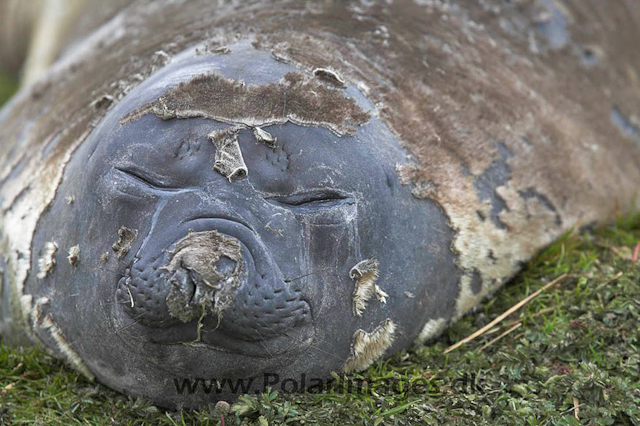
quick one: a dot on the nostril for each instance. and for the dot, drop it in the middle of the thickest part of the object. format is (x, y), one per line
(225, 265)
(185, 283)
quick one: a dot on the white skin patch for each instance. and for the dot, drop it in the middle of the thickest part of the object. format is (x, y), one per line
(26, 306)
(330, 75)
(67, 351)
(367, 347)
(20, 221)
(264, 137)
(47, 262)
(366, 273)
(36, 312)
(466, 299)
(431, 329)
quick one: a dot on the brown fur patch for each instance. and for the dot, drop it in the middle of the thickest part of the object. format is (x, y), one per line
(293, 99)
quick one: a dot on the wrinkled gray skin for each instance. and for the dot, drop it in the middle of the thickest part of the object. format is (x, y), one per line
(309, 210)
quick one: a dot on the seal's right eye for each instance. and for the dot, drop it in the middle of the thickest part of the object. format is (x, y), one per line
(320, 206)
(313, 200)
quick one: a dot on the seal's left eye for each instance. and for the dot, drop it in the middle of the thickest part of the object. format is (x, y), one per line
(145, 178)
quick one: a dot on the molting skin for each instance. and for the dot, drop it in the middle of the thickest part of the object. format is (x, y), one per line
(235, 278)
(275, 186)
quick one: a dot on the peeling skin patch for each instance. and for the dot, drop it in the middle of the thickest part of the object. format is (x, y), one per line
(264, 137)
(431, 329)
(228, 161)
(294, 98)
(280, 57)
(204, 273)
(222, 50)
(102, 102)
(126, 237)
(70, 199)
(366, 273)
(47, 261)
(211, 48)
(330, 76)
(74, 255)
(65, 348)
(38, 311)
(367, 347)
(161, 58)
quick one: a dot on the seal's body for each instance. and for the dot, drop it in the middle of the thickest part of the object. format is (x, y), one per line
(268, 188)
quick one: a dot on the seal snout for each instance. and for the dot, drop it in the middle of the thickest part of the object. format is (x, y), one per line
(217, 285)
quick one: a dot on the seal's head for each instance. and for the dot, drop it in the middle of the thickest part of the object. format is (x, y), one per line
(235, 218)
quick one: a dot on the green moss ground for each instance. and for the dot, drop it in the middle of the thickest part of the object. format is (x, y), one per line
(578, 345)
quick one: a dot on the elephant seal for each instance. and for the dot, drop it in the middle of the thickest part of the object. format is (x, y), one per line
(254, 193)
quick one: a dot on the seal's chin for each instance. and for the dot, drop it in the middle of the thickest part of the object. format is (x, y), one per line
(217, 288)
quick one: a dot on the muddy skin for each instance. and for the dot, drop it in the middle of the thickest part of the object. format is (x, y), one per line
(305, 189)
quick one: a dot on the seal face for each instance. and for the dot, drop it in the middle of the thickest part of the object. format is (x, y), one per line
(188, 269)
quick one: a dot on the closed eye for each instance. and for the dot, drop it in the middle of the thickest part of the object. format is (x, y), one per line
(145, 179)
(313, 200)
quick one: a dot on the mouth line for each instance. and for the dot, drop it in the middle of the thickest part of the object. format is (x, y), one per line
(295, 340)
